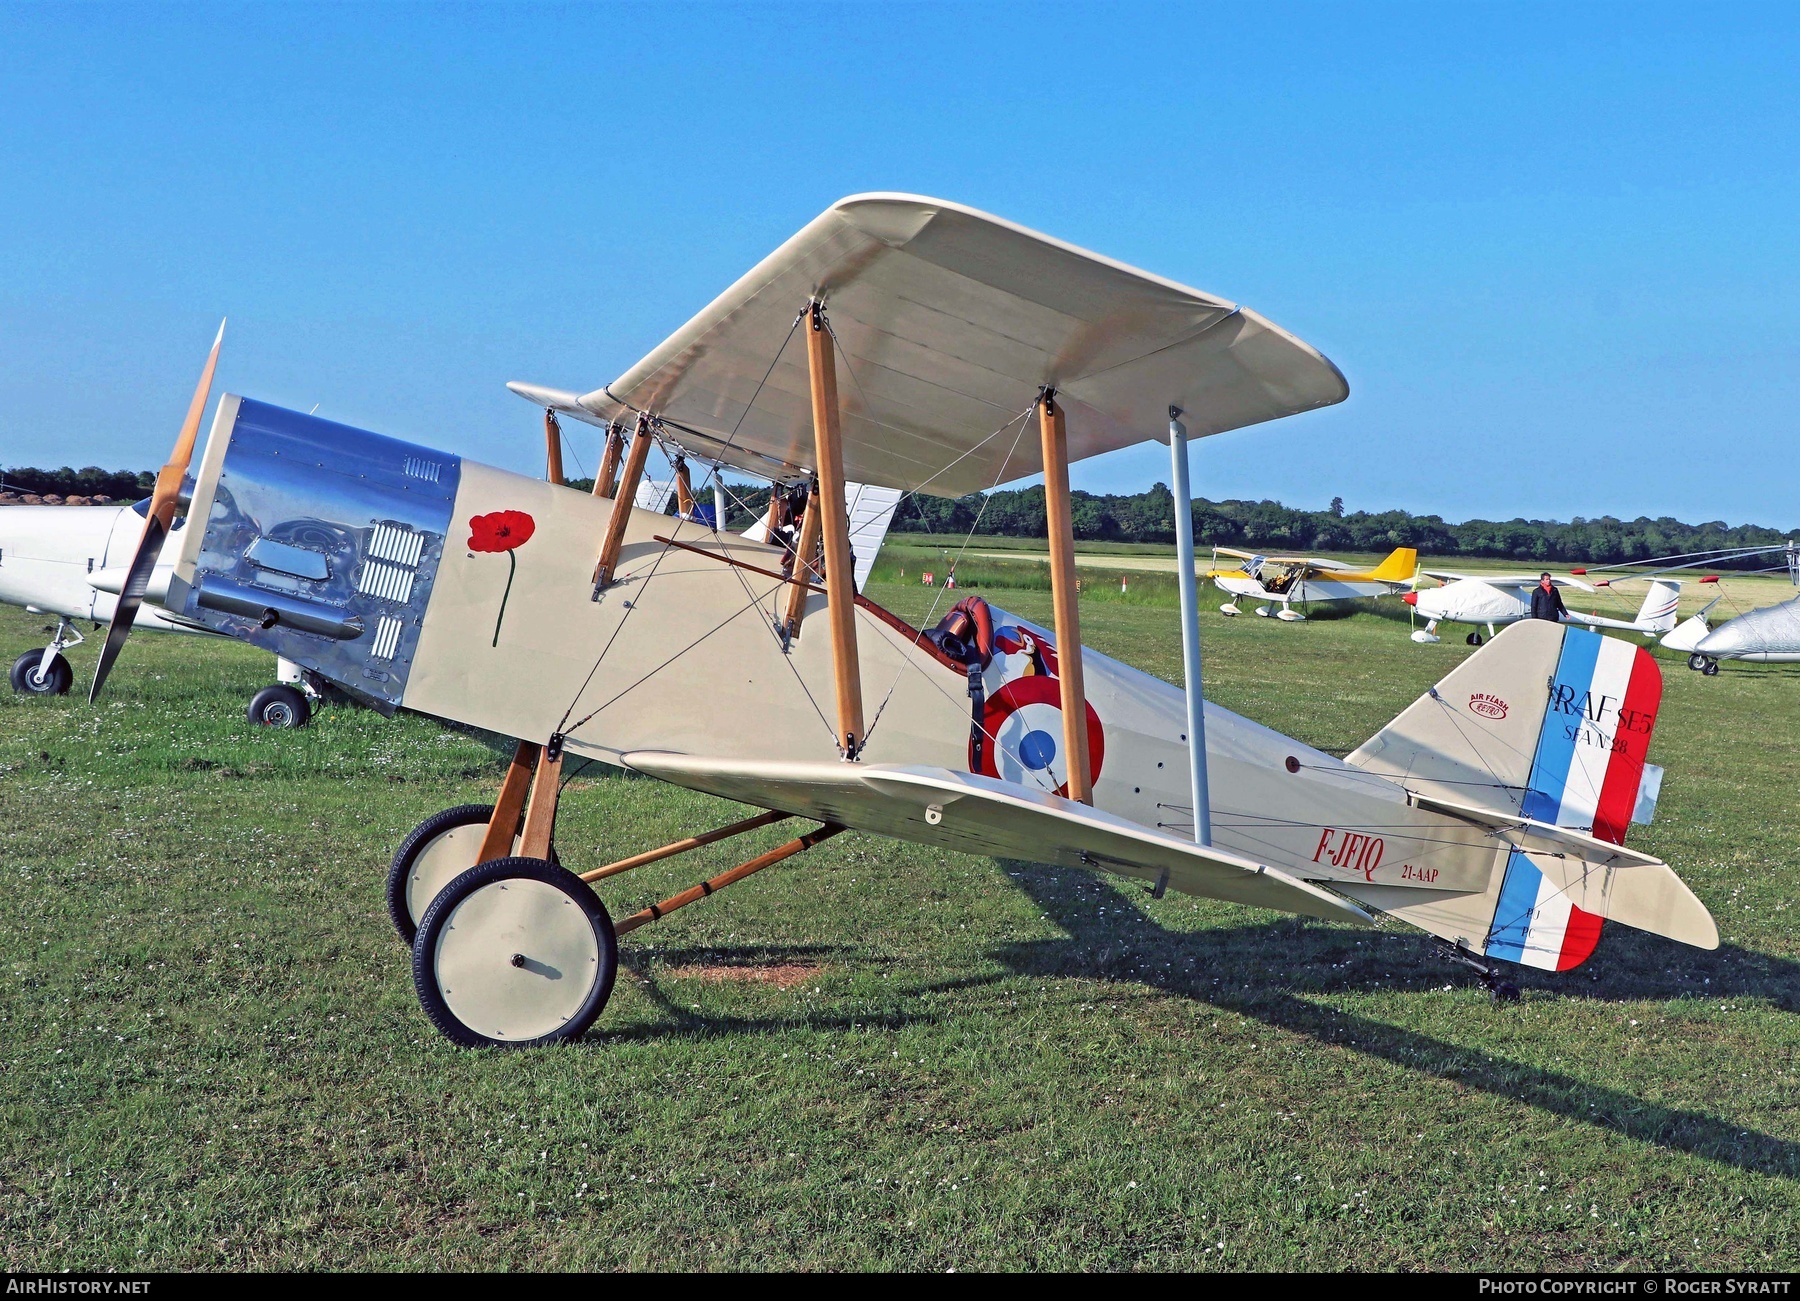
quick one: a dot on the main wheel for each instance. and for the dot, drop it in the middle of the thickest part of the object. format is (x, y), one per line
(435, 853)
(514, 953)
(27, 681)
(280, 706)
(1712, 669)
(1474, 639)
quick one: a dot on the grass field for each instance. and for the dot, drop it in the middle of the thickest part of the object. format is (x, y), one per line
(876, 1056)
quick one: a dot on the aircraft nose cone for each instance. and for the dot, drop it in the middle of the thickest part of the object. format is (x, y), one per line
(1411, 598)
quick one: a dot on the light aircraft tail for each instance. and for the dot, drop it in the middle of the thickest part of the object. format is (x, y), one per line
(1541, 735)
(1399, 567)
(1657, 614)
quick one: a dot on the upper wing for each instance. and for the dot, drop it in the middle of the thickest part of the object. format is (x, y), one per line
(978, 815)
(950, 321)
(1503, 580)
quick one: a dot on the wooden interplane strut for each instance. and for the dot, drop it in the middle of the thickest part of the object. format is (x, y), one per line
(623, 499)
(684, 489)
(696, 893)
(553, 466)
(606, 478)
(834, 524)
(1061, 532)
(804, 555)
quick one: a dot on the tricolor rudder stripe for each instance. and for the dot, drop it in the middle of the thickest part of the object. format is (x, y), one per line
(1589, 763)
(1536, 925)
(1597, 725)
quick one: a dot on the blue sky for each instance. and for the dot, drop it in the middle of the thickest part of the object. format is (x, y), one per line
(1553, 248)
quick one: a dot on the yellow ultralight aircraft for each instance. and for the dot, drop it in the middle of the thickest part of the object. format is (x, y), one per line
(1310, 580)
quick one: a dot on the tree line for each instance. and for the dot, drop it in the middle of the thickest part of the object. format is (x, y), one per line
(1270, 526)
(89, 481)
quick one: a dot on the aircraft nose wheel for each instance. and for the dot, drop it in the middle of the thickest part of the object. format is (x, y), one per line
(29, 679)
(435, 853)
(280, 706)
(1711, 669)
(515, 953)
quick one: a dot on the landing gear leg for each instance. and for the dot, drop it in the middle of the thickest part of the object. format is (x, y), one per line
(46, 672)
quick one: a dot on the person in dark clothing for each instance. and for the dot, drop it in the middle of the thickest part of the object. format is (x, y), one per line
(1546, 601)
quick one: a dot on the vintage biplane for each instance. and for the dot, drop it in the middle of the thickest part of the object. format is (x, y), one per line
(912, 344)
(1307, 580)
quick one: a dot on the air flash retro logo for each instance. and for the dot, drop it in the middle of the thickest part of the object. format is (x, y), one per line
(1487, 706)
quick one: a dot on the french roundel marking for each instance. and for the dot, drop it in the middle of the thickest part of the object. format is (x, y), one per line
(1023, 720)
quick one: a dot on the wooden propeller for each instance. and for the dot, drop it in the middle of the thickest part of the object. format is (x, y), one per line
(165, 500)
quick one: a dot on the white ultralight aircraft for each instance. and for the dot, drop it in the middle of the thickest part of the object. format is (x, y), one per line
(1493, 600)
(1491, 813)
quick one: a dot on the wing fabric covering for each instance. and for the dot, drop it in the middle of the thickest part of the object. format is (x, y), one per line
(1541, 736)
(949, 321)
(978, 815)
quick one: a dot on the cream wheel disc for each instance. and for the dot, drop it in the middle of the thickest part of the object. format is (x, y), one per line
(439, 862)
(435, 853)
(517, 951)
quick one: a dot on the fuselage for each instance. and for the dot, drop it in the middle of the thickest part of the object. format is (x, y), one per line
(1770, 635)
(1475, 601)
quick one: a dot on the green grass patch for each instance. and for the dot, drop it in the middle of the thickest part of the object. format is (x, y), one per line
(211, 1056)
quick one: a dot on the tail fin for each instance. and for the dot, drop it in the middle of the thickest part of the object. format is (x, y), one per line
(1399, 567)
(1657, 614)
(1546, 724)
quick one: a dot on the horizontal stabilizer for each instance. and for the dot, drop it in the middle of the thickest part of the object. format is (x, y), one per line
(979, 815)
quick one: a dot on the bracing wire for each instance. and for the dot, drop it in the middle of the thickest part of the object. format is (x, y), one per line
(674, 533)
(1022, 420)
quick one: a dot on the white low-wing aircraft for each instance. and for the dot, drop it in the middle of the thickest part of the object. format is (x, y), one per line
(1491, 813)
(70, 562)
(1770, 635)
(1308, 580)
(1494, 600)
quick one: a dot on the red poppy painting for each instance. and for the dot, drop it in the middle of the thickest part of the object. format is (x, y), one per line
(502, 531)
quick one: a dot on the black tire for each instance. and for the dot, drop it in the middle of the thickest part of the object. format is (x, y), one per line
(568, 1011)
(1504, 991)
(1712, 669)
(1473, 639)
(1697, 662)
(280, 706)
(56, 682)
(399, 897)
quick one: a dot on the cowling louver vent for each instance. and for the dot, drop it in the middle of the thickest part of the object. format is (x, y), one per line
(387, 638)
(388, 582)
